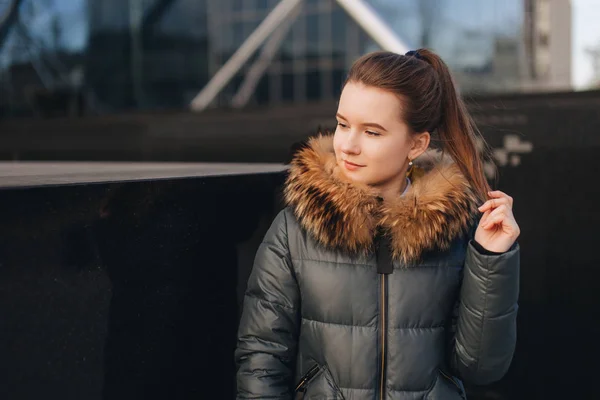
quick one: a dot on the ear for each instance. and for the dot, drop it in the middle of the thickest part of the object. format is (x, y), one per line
(420, 143)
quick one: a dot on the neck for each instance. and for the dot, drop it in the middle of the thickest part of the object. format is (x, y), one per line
(393, 189)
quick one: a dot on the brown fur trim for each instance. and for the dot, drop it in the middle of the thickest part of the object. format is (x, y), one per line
(340, 214)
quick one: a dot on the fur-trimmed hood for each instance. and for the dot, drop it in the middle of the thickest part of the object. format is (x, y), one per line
(439, 205)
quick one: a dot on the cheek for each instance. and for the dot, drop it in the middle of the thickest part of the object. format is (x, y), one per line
(389, 155)
(387, 152)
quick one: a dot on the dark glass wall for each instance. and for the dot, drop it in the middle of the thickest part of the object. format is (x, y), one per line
(146, 54)
(76, 57)
(481, 42)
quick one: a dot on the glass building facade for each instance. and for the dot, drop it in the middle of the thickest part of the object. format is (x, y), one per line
(103, 56)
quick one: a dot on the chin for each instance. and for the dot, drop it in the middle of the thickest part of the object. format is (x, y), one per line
(357, 176)
(371, 181)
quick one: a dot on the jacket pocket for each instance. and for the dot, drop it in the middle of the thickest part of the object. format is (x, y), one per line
(317, 384)
(446, 387)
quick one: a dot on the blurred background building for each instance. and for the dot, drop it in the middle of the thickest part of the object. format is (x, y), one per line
(547, 38)
(105, 56)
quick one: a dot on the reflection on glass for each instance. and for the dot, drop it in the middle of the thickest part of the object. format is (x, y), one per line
(62, 57)
(238, 33)
(313, 85)
(287, 86)
(261, 94)
(339, 20)
(338, 77)
(312, 36)
(262, 4)
(237, 5)
(103, 56)
(479, 40)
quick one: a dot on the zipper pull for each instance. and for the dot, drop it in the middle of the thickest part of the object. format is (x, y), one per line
(301, 387)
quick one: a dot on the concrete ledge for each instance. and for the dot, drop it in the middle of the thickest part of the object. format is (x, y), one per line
(33, 174)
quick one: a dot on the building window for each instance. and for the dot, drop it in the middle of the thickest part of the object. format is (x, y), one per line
(237, 5)
(238, 33)
(312, 36)
(263, 4)
(338, 77)
(339, 20)
(313, 85)
(287, 86)
(261, 94)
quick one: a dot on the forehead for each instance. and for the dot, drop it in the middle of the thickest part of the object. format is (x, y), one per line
(360, 102)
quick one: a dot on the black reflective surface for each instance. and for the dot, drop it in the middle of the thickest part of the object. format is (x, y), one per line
(558, 328)
(132, 290)
(106, 288)
(127, 290)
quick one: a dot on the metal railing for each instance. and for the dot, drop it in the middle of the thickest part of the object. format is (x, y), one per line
(273, 30)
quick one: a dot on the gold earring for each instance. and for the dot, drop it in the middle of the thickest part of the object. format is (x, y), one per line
(410, 168)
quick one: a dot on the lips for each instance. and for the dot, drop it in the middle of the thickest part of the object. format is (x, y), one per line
(351, 166)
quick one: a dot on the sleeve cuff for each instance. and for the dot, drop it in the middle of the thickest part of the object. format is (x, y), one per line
(483, 251)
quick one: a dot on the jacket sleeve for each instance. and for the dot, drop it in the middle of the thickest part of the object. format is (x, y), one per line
(485, 330)
(268, 331)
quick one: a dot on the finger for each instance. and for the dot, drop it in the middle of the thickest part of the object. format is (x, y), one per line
(506, 223)
(500, 210)
(490, 205)
(498, 216)
(484, 218)
(494, 203)
(498, 194)
(493, 221)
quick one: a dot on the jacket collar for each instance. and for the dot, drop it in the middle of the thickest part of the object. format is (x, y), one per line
(437, 207)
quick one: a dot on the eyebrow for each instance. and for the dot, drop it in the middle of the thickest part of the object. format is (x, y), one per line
(372, 124)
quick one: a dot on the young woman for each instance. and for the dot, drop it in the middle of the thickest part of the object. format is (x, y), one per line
(384, 280)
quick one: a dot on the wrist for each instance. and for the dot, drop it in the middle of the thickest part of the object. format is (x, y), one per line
(482, 250)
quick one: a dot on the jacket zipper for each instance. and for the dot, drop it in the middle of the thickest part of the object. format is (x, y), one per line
(384, 268)
(383, 280)
(301, 387)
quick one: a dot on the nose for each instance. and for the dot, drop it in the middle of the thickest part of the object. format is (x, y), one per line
(350, 144)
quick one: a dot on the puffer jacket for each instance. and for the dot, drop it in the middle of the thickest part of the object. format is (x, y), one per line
(353, 298)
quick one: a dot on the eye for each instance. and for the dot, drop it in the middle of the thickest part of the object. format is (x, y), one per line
(372, 133)
(342, 125)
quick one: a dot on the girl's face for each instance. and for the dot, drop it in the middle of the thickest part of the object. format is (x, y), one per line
(372, 143)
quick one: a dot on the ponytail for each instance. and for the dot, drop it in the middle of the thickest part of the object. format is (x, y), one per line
(456, 129)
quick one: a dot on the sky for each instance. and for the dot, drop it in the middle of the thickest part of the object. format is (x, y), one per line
(586, 33)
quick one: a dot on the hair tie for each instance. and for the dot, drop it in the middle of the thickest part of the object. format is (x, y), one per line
(414, 53)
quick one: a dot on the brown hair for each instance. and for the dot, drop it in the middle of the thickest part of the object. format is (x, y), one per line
(432, 104)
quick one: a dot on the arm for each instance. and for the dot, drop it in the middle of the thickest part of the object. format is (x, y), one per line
(268, 332)
(486, 316)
